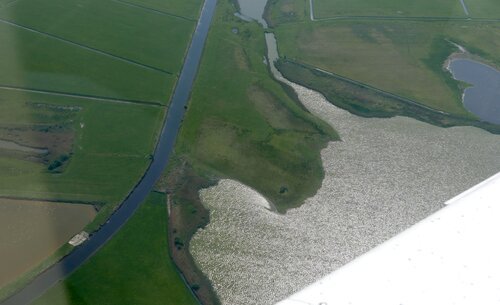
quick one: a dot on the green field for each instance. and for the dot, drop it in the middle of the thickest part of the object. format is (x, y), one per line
(130, 269)
(187, 8)
(403, 8)
(283, 11)
(125, 31)
(401, 57)
(484, 8)
(30, 60)
(108, 154)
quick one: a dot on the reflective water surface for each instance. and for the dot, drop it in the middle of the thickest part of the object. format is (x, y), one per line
(253, 9)
(483, 97)
(384, 176)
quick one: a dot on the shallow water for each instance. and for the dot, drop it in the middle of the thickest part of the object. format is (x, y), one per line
(253, 9)
(483, 97)
(14, 146)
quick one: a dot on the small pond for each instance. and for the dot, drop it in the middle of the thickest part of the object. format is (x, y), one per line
(483, 96)
(253, 9)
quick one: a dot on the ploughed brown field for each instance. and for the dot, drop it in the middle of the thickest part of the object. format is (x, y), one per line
(34, 230)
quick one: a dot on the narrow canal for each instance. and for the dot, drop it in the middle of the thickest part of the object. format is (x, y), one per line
(162, 153)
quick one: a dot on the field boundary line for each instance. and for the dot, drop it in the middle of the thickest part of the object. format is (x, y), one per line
(52, 200)
(410, 18)
(82, 46)
(152, 10)
(82, 96)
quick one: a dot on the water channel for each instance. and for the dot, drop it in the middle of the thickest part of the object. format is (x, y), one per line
(162, 152)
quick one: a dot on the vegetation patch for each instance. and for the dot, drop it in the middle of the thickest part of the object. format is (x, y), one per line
(186, 216)
(285, 11)
(49, 142)
(108, 155)
(250, 129)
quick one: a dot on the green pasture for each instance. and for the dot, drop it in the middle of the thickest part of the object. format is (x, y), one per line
(186, 8)
(30, 60)
(401, 57)
(394, 8)
(109, 153)
(122, 30)
(283, 11)
(484, 8)
(130, 269)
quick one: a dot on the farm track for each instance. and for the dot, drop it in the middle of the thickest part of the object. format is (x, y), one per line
(82, 46)
(152, 10)
(416, 18)
(82, 96)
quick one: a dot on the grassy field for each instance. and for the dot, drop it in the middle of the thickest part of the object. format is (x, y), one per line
(31, 60)
(286, 11)
(114, 27)
(484, 8)
(405, 58)
(422, 8)
(130, 269)
(107, 154)
(187, 8)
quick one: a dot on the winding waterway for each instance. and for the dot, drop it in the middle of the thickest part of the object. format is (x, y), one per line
(162, 152)
(483, 97)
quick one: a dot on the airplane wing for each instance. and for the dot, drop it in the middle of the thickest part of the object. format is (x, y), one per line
(451, 257)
